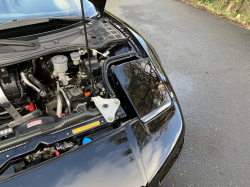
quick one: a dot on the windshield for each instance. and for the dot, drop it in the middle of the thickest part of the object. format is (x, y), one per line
(21, 9)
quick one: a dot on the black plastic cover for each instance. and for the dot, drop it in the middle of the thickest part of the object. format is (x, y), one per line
(11, 90)
(100, 4)
(142, 85)
(35, 124)
(95, 66)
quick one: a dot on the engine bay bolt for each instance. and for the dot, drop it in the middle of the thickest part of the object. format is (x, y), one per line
(2, 70)
(41, 58)
(116, 102)
(105, 106)
(110, 118)
(67, 134)
(7, 156)
(24, 148)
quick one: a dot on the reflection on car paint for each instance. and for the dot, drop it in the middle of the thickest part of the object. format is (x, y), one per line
(154, 148)
(143, 85)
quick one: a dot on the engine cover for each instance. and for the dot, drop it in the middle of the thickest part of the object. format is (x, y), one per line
(11, 90)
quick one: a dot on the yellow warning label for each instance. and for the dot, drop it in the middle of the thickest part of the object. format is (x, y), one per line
(86, 127)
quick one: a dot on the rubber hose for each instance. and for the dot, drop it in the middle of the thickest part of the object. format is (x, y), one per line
(106, 95)
(105, 76)
(21, 88)
(34, 66)
(105, 70)
(88, 88)
(38, 83)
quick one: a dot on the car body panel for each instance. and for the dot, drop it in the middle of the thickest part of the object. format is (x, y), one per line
(100, 4)
(106, 162)
(131, 155)
(114, 159)
(144, 88)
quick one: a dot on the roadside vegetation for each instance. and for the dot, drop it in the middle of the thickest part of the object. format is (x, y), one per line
(237, 11)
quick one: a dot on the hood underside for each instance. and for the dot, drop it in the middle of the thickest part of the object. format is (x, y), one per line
(100, 4)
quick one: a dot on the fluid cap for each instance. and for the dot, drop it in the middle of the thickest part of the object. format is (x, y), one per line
(75, 56)
(60, 63)
(31, 107)
(86, 140)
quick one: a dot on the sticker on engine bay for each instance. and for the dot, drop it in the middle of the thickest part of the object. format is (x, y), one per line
(86, 127)
(34, 123)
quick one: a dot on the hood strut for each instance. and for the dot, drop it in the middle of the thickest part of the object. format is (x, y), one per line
(87, 45)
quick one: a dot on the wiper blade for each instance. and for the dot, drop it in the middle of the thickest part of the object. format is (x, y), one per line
(17, 43)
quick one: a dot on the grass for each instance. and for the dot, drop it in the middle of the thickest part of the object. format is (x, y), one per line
(237, 11)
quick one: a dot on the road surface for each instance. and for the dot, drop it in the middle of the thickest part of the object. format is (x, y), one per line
(207, 60)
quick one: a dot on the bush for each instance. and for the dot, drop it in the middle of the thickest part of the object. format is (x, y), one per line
(236, 10)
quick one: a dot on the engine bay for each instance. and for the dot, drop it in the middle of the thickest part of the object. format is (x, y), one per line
(53, 104)
(48, 86)
(50, 94)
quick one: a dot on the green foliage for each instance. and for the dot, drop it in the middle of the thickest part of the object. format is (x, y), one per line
(236, 10)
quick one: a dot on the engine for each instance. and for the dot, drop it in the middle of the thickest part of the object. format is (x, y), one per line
(55, 85)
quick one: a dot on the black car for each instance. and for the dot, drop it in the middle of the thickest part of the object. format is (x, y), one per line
(84, 100)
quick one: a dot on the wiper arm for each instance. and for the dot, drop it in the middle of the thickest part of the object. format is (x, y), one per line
(17, 43)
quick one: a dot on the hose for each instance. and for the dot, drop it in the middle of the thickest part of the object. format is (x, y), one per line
(38, 83)
(88, 89)
(41, 92)
(65, 97)
(59, 103)
(34, 66)
(29, 83)
(21, 88)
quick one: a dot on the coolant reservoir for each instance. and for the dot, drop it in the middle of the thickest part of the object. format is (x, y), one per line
(60, 63)
(75, 56)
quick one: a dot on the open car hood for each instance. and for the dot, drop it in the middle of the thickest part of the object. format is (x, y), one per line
(100, 4)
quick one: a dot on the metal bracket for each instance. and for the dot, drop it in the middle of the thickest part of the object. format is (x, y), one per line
(107, 107)
(8, 106)
(14, 113)
(25, 118)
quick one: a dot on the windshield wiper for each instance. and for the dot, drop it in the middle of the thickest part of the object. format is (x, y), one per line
(17, 43)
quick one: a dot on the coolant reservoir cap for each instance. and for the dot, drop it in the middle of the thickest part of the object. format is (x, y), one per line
(75, 55)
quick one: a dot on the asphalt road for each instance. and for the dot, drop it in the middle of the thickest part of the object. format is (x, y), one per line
(207, 60)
